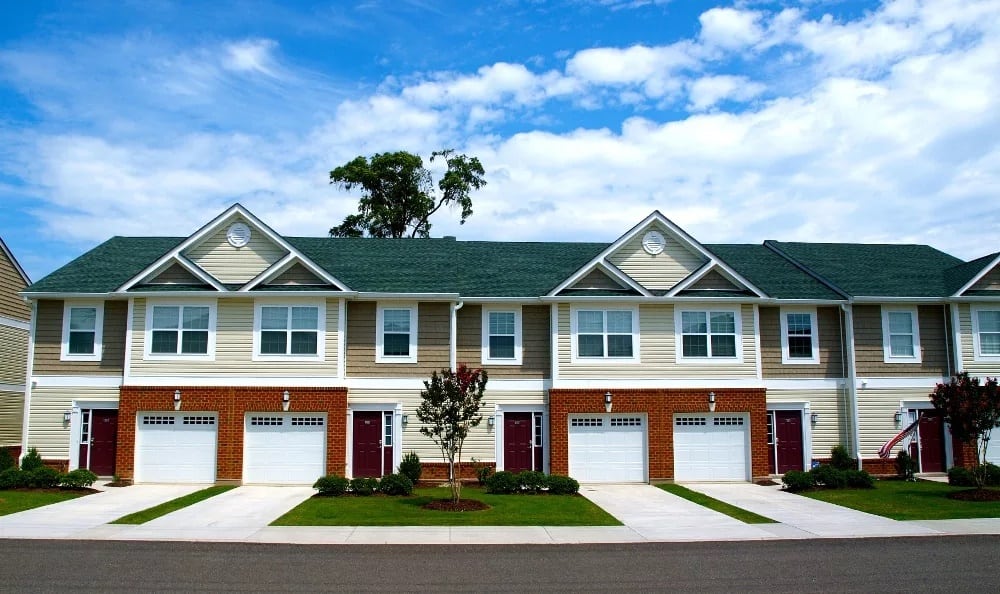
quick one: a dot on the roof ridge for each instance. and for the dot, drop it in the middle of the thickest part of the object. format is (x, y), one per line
(773, 246)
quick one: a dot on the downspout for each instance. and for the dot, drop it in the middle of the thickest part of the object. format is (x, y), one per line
(852, 379)
(453, 340)
(27, 379)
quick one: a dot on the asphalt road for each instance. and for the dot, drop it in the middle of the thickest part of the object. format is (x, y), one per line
(957, 564)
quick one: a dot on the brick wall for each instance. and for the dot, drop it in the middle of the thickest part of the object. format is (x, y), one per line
(232, 404)
(438, 471)
(660, 406)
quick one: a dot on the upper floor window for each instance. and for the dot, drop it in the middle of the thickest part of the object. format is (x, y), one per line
(900, 335)
(289, 331)
(986, 332)
(501, 336)
(186, 330)
(83, 326)
(708, 335)
(799, 336)
(396, 334)
(605, 334)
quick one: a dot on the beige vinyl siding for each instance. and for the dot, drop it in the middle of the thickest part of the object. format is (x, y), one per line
(233, 346)
(657, 350)
(830, 351)
(11, 416)
(535, 337)
(876, 407)
(597, 280)
(433, 337)
(48, 432)
(176, 275)
(13, 355)
(235, 265)
(48, 342)
(11, 283)
(297, 274)
(870, 355)
(715, 281)
(661, 271)
(833, 409)
(989, 282)
(969, 363)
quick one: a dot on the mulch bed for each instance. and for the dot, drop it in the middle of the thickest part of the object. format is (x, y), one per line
(464, 505)
(976, 495)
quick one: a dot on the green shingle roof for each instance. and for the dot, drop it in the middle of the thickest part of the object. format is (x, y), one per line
(107, 266)
(957, 276)
(771, 273)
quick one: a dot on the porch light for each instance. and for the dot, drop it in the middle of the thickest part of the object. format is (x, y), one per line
(898, 417)
(405, 419)
(67, 415)
(607, 402)
(177, 399)
(814, 418)
(490, 422)
(711, 402)
(285, 399)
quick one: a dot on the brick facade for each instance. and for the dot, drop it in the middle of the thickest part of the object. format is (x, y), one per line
(438, 471)
(231, 404)
(660, 405)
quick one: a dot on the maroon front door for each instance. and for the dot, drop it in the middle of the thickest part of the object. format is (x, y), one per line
(788, 440)
(367, 446)
(103, 442)
(931, 441)
(517, 439)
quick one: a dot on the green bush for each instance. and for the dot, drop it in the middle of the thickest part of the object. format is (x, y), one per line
(503, 483)
(42, 478)
(332, 485)
(959, 476)
(78, 479)
(531, 481)
(562, 485)
(32, 461)
(6, 460)
(859, 479)
(483, 472)
(992, 475)
(396, 484)
(829, 477)
(841, 460)
(12, 478)
(411, 467)
(364, 486)
(796, 481)
(905, 465)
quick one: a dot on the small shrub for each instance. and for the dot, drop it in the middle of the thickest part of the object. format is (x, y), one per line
(905, 466)
(396, 484)
(841, 460)
(502, 483)
(992, 472)
(332, 484)
(796, 481)
(42, 478)
(829, 477)
(859, 479)
(562, 485)
(483, 472)
(531, 481)
(32, 461)
(364, 486)
(12, 478)
(78, 479)
(959, 476)
(6, 460)
(411, 467)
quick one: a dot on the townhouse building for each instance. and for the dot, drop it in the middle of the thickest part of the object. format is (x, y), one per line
(14, 324)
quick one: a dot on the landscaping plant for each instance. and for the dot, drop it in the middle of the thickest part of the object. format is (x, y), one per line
(364, 486)
(411, 467)
(6, 460)
(973, 410)
(395, 484)
(332, 484)
(32, 461)
(906, 466)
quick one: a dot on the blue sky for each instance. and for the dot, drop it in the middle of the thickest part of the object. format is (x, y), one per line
(838, 120)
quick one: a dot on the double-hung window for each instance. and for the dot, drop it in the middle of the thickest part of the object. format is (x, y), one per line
(184, 330)
(294, 331)
(900, 335)
(986, 332)
(605, 334)
(82, 332)
(501, 336)
(799, 337)
(396, 334)
(709, 335)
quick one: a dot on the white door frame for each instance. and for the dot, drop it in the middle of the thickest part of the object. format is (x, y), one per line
(805, 409)
(498, 412)
(76, 425)
(911, 410)
(396, 408)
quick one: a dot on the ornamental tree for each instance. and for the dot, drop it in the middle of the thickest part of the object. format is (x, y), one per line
(973, 410)
(448, 410)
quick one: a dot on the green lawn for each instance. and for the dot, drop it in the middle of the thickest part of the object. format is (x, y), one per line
(747, 517)
(15, 501)
(141, 517)
(506, 510)
(901, 500)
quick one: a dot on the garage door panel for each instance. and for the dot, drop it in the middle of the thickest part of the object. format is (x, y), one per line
(993, 447)
(176, 448)
(607, 448)
(284, 448)
(710, 448)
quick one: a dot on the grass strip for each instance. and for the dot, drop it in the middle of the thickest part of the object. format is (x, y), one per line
(143, 516)
(747, 517)
(14, 501)
(902, 500)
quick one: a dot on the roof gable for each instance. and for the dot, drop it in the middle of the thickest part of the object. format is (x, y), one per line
(981, 274)
(230, 264)
(659, 270)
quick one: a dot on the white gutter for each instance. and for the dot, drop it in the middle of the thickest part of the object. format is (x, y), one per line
(27, 379)
(453, 339)
(852, 379)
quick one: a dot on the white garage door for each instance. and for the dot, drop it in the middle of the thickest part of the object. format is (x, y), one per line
(710, 448)
(993, 447)
(288, 449)
(607, 448)
(175, 447)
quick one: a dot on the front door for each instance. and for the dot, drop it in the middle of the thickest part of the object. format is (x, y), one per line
(367, 444)
(103, 442)
(788, 440)
(931, 431)
(517, 440)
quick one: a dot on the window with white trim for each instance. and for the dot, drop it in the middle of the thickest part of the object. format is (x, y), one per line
(900, 335)
(185, 330)
(289, 331)
(396, 334)
(605, 334)
(502, 336)
(799, 336)
(709, 335)
(83, 328)
(986, 332)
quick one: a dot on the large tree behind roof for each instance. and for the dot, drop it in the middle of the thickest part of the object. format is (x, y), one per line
(398, 195)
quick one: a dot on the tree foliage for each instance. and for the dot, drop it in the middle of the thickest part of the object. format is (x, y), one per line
(449, 408)
(398, 195)
(973, 410)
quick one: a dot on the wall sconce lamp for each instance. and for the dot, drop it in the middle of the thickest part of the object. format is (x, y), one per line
(814, 418)
(491, 422)
(67, 415)
(404, 419)
(177, 399)
(607, 402)
(711, 402)
(897, 417)
(285, 400)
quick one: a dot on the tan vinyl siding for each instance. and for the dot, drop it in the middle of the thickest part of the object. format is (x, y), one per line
(535, 338)
(297, 274)
(661, 271)
(433, 337)
(870, 355)
(657, 349)
(715, 281)
(48, 433)
(876, 407)
(176, 275)
(233, 346)
(48, 342)
(11, 416)
(989, 282)
(832, 407)
(830, 352)
(981, 368)
(11, 283)
(597, 280)
(13, 355)
(235, 265)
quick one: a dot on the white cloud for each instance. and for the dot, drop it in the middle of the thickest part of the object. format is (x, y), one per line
(730, 28)
(252, 55)
(707, 91)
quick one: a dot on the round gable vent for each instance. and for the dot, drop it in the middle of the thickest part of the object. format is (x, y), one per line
(238, 235)
(653, 242)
